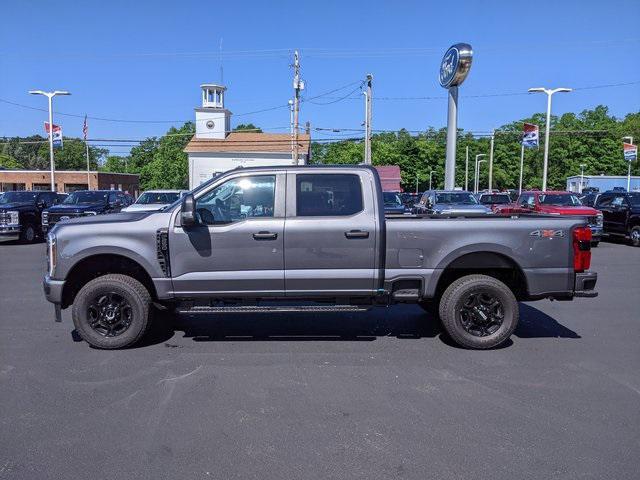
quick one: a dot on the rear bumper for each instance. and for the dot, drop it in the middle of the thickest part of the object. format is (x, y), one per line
(585, 284)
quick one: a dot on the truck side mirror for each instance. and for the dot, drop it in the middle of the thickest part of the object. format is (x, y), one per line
(188, 211)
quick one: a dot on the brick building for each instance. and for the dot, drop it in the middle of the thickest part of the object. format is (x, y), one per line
(68, 181)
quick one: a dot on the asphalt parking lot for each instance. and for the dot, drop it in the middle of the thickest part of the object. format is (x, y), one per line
(370, 395)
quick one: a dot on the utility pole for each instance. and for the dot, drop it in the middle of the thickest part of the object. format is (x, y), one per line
(493, 134)
(466, 171)
(367, 120)
(291, 127)
(296, 105)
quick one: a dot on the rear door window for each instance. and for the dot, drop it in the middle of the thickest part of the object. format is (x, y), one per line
(328, 195)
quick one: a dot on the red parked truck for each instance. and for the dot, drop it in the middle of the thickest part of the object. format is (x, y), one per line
(555, 203)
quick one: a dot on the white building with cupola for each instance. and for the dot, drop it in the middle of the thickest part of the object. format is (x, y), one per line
(215, 148)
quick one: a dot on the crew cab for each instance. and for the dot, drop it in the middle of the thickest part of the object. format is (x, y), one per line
(621, 211)
(20, 214)
(83, 203)
(555, 203)
(309, 239)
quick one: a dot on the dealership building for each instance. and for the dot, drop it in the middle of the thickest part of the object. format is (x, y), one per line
(602, 182)
(68, 181)
(215, 148)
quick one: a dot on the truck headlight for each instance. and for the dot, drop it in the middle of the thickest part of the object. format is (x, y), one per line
(45, 218)
(14, 217)
(52, 253)
(90, 212)
(599, 220)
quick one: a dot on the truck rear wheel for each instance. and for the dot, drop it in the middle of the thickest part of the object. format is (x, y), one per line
(479, 311)
(112, 311)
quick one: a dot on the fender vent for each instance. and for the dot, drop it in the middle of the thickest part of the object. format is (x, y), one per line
(162, 250)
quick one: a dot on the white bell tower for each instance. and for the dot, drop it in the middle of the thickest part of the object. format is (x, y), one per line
(213, 121)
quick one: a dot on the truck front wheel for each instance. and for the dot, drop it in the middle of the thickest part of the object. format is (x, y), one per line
(479, 311)
(112, 311)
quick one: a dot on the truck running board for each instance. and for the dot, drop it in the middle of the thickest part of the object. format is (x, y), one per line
(273, 309)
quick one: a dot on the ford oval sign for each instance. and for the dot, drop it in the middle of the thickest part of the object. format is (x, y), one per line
(455, 65)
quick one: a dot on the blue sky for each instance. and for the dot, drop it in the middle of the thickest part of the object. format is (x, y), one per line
(141, 60)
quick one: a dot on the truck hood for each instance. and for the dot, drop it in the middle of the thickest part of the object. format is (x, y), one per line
(77, 208)
(460, 208)
(108, 218)
(15, 206)
(566, 210)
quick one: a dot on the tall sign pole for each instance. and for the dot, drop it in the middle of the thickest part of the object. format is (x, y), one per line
(454, 68)
(630, 152)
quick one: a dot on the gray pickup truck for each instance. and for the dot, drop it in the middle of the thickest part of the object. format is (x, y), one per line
(309, 239)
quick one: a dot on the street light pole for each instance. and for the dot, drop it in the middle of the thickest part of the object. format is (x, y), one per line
(629, 166)
(478, 174)
(430, 178)
(50, 96)
(466, 171)
(549, 93)
(476, 177)
(582, 165)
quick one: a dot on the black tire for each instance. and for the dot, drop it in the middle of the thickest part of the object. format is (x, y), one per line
(28, 234)
(635, 236)
(94, 324)
(463, 312)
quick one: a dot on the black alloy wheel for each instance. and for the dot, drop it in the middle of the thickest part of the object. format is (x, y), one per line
(481, 313)
(109, 314)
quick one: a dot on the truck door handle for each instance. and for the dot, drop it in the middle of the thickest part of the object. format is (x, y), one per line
(356, 234)
(265, 236)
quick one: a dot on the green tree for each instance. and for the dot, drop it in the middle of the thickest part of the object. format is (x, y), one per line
(72, 155)
(169, 166)
(115, 164)
(247, 127)
(9, 162)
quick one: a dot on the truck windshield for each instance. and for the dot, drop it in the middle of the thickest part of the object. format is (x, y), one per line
(463, 198)
(560, 199)
(498, 199)
(77, 198)
(391, 199)
(11, 197)
(148, 198)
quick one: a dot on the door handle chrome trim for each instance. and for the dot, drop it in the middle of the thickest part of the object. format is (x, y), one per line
(265, 236)
(356, 234)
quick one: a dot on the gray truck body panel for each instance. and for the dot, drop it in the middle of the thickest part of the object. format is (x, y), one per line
(310, 257)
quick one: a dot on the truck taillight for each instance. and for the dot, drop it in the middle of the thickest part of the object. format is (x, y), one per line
(581, 249)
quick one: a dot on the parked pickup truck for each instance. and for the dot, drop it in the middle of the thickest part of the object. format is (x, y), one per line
(315, 236)
(20, 214)
(556, 203)
(621, 212)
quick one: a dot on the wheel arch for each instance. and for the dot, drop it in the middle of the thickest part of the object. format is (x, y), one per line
(489, 262)
(97, 265)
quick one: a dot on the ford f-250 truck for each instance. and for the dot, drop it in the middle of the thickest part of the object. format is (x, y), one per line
(309, 239)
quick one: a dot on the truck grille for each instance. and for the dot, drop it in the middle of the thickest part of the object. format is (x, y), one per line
(5, 218)
(54, 218)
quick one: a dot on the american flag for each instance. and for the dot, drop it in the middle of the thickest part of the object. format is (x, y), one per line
(85, 129)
